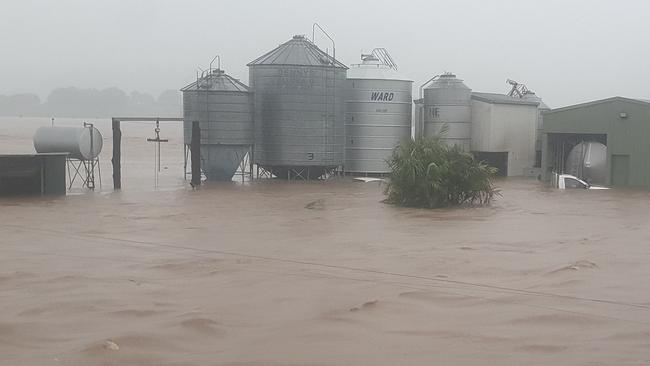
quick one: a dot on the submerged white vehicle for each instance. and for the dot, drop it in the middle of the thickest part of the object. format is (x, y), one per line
(566, 181)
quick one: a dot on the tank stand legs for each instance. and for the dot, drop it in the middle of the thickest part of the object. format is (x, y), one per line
(83, 170)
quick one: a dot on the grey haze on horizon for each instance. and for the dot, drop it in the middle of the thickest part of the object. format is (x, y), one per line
(566, 51)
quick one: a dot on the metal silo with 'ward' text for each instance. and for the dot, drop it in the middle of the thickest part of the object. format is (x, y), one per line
(378, 113)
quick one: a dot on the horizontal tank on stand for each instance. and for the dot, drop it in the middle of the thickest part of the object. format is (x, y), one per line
(447, 105)
(299, 110)
(82, 143)
(379, 111)
(223, 106)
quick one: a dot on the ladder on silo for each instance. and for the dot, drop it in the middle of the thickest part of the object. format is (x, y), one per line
(330, 66)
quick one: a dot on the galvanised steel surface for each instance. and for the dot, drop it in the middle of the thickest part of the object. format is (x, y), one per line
(588, 161)
(378, 116)
(447, 101)
(299, 108)
(224, 108)
(541, 108)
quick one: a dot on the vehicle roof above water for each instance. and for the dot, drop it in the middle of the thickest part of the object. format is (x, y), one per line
(582, 181)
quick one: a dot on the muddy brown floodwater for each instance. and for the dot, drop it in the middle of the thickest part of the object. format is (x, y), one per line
(323, 273)
(277, 273)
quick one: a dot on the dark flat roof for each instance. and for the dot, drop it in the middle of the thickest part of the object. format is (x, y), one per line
(32, 155)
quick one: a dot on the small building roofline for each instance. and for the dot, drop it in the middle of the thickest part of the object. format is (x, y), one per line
(599, 101)
(494, 98)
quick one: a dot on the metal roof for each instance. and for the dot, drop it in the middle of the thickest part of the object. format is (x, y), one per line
(217, 80)
(600, 101)
(495, 98)
(298, 51)
(372, 69)
(530, 95)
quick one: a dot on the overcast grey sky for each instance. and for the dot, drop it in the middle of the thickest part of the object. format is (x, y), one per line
(567, 51)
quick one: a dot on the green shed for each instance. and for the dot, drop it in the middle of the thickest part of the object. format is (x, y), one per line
(622, 124)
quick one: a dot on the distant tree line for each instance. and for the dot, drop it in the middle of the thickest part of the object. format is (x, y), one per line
(89, 103)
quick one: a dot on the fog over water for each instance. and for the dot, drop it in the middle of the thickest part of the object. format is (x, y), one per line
(566, 51)
(273, 272)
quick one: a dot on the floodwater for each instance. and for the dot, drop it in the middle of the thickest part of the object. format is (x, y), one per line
(323, 273)
(138, 163)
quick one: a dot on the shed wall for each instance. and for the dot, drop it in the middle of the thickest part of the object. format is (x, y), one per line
(625, 136)
(505, 128)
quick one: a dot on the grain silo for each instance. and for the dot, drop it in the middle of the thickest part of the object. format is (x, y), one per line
(299, 110)
(223, 106)
(541, 108)
(447, 102)
(378, 113)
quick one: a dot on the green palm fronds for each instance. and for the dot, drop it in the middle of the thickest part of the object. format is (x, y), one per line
(428, 173)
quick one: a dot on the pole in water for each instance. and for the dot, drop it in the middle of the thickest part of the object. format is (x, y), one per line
(117, 155)
(195, 150)
(156, 151)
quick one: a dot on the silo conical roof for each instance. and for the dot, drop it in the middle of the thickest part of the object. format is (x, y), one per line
(217, 80)
(447, 80)
(299, 51)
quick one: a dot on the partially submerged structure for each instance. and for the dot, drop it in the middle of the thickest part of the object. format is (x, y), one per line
(299, 110)
(223, 106)
(33, 174)
(503, 132)
(378, 114)
(621, 124)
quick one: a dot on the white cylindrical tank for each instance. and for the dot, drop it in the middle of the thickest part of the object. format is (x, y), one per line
(447, 102)
(588, 161)
(83, 143)
(378, 115)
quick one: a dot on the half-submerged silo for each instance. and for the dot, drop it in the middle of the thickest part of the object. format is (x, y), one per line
(378, 113)
(299, 110)
(447, 102)
(223, 106)
(588, 161)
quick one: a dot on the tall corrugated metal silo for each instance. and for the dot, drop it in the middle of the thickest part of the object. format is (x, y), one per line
(299, 110)
(541, 108)
(223, 106)
(447, 101)
(379, 110)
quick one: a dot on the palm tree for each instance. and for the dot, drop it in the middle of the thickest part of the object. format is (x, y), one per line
(428, 173)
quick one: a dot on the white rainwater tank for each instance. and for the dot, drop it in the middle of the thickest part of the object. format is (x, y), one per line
(83, 143)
